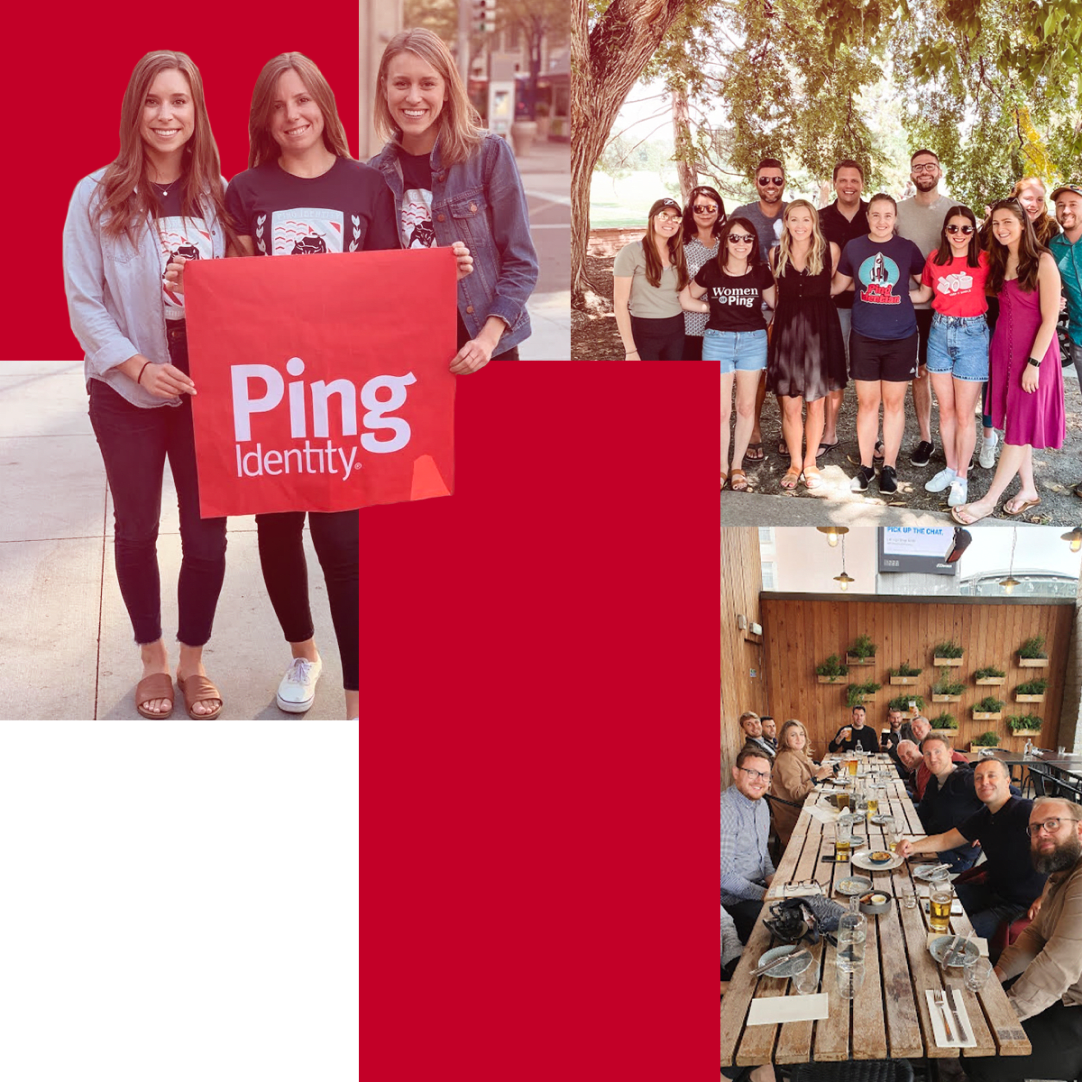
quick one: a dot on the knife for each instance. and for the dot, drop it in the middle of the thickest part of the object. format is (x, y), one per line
(777, 962)
(951, 994)
(952, 950)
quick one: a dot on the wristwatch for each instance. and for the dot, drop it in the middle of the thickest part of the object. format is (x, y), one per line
(1033, 361)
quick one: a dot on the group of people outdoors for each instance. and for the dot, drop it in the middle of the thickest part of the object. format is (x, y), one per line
(797, 300)
(1032, 867)
(440, 180)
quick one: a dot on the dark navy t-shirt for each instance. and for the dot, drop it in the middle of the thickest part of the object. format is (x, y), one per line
(736, 303)
(880, 272)
(1005, 842)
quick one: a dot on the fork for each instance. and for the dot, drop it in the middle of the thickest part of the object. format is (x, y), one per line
(940, 1000)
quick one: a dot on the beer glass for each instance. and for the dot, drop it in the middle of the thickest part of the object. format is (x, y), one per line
(940, 911)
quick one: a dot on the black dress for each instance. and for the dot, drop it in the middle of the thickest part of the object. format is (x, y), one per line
(807, 354)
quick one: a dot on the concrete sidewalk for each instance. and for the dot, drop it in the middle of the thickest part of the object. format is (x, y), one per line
(65, 636)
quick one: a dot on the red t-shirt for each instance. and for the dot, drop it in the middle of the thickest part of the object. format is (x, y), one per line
(958, 289)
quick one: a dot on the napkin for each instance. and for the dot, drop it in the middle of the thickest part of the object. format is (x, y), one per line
(982, 944)
(939, 1030)
(770, 1009)
(824, 813)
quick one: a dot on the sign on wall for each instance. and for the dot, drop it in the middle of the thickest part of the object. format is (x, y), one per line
(915, 548)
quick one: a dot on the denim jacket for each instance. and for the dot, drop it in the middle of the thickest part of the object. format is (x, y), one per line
(114, 291)
(481, 202)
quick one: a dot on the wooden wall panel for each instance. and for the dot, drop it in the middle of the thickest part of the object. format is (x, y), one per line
(801, 631)
(741, 652)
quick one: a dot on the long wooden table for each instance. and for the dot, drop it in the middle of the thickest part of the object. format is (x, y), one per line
(889, 1016)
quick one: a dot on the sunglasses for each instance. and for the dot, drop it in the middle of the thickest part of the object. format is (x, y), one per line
(967, 229)
(740, 238)
(705, 210)
(663, 217)
(777, 182)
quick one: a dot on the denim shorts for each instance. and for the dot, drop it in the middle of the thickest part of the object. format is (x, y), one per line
(958, 346)
(738, 351)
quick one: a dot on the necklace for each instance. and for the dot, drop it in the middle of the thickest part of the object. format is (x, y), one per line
(163, 189)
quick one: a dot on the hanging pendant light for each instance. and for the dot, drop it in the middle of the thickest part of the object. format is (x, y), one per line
(833, 533)
(1010, 582)
(1074, 537)
(843, 580)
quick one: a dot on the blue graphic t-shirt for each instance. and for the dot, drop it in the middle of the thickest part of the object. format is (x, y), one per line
(881, 272)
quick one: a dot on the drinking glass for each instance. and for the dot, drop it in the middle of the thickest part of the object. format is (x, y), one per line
(841, 848)
(977, 974)
(849, 981)
(842, 799)
(893, 836)
(852, 767)
(807, 982)
(873, 800)
(852, 935)
(909, 899)
(940, 910)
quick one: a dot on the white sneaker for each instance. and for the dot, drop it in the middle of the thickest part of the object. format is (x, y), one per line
(297, 691)
(988, 451)
(959, 492)
(941, 480)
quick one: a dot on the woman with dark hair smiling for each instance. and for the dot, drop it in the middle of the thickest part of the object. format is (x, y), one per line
(704, 217)
(953, 280)
(128, 225)
(736, 284)
(647, 278)
(1025, 387)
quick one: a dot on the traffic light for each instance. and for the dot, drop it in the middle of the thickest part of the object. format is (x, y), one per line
(484, 16)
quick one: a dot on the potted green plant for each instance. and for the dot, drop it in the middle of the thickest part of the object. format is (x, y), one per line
(902, 704)
(855, 693)
(1024, 725)
(831, 671)
(947, 653)
(945, 722)
(985, 740)
(1031, 654)
(862, 652)
(1032, 691)
(904, 674)
(988, 709)
(989, 675)
(946, 690)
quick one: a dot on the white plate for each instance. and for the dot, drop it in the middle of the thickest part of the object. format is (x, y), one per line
(939, 946)
(786, 969)
(932, 873)
(861, 860)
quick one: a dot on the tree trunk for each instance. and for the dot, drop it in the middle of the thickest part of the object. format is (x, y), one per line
(604, 66)
(681, 126)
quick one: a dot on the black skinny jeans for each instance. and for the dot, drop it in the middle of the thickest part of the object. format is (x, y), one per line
(135, 443)
(336, 537)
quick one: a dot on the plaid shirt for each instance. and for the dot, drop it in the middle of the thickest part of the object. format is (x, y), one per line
(745, 862)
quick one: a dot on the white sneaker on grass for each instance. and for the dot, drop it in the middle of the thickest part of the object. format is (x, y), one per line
(941, 480)
(297, 691)
(988, 451)
(959, 492)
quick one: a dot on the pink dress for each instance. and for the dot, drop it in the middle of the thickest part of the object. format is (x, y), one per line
(1036, 419)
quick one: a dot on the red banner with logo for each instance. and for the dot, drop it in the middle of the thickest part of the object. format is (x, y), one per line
(322, 382)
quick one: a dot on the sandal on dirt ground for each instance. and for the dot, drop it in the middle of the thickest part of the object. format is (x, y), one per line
(792, 476)
(759, 455)
(198, 689)
(738, 481)
(1013, 507)
(824, 447)
(964, 517)
(158, 685)
(783, 449)
(812, 477)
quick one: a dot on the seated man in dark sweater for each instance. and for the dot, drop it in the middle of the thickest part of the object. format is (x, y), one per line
(857, 733)
(1011, 884)
(949, 799)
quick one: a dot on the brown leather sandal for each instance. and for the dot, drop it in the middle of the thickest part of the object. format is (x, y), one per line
(158, 685)
(198, 689)
(738, 481)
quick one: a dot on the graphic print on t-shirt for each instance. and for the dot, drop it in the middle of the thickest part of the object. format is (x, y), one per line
(309, 231)
(417, 231)
(188, 237)
(730, 295)
(954, 283)
(878, 274)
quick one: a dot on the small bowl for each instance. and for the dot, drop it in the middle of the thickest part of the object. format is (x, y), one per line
(879, 856)
(875, 902)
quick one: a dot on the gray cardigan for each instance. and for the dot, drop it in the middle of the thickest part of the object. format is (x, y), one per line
(114, 292)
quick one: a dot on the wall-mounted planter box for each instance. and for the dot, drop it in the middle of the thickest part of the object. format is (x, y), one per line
(831, 679)
(946, 698)
(1026, 732)
(903, 679)
(974, 748)
(1029, 698)
(1033, 662)
(946, 732)
(953, 662)
(851, 660)
(992, 680)
(978, 716)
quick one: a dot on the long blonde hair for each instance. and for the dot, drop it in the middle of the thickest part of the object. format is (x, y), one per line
(261, 145)
(790, 725)
(818, 244)
(459, 123)
(124, 194)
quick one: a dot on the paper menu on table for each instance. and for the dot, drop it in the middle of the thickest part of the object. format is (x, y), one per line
(775, 1009)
